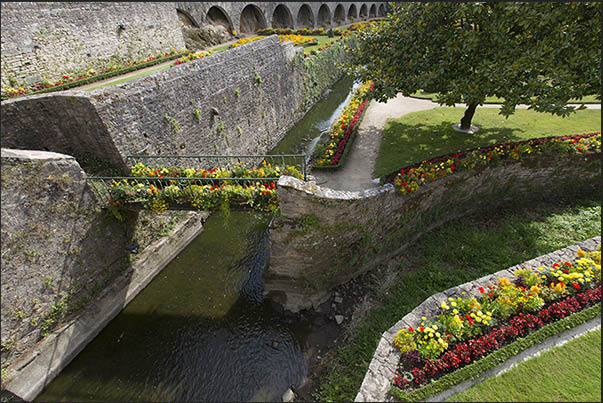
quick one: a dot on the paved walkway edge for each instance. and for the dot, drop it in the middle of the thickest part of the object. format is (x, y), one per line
(382, 367)
(46, 360)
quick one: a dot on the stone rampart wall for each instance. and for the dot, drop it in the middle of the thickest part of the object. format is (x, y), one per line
(43, 40)
(326, 237)
(59, 249)
(240, 101)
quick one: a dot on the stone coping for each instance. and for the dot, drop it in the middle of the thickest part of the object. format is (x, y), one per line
(313, 189)
(382, 367)
(35, 369)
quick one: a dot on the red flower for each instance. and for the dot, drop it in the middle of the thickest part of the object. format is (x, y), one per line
(481, 290)
(566, 271)
(576, 285)
(410, 329)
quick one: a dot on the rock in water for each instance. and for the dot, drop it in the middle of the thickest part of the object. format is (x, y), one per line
(339, 319)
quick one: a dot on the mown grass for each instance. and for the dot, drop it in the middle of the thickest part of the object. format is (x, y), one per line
(132, 77)
(426, 134)
(569, 373)
(461, 251)
(321, 41)
(495, 100)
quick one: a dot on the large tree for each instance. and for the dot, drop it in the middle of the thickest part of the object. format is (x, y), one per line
(541, 54)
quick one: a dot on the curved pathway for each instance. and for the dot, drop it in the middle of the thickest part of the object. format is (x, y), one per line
(356, 173)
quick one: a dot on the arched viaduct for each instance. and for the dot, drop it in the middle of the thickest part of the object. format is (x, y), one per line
(247, 17)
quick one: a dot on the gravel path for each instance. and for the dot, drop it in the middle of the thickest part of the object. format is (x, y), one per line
(356, 174)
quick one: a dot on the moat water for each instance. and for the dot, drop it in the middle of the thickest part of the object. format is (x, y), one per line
(201, 330)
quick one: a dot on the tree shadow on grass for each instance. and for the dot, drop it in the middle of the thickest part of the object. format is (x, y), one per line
(404, 144)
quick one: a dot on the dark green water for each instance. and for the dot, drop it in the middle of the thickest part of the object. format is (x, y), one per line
(201, 330)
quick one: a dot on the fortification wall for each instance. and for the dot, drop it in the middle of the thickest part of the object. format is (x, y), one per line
(240, 101)
(43, 40)
(315, 246)
(60, 250)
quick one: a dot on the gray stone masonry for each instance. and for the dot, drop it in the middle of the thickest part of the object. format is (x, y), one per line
(326, 237)
(382, 368)
(43, 40)
(258, 91)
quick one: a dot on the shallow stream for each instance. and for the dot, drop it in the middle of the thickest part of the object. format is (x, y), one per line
(201, 330)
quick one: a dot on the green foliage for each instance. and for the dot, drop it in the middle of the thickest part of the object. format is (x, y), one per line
(220, 128)
(173, 122)
(541, 54)
(475, 246)
(237, 92)
(197, 113)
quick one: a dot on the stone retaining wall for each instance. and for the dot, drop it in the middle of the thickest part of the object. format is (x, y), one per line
(381, 371)
(326, 237)
(239, 101)
(43, 40)
(60, 250)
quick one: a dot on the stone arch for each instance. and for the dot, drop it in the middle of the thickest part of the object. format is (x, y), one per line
(186, 19)
(252, 19)
(373, 11)
(381, 11)
(324, 16)
(339, 15)
(281, 17)
(305, 17)
(217, 16)
(352, 12)
(363, 11)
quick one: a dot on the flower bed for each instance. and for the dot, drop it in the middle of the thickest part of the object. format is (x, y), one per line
(343, 130)
(159, 188)
(70, 81)
(297, 40)
(193, 56)
(467, 329)
(411, 178)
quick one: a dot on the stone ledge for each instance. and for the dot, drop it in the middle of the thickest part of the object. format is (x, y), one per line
(381, 369)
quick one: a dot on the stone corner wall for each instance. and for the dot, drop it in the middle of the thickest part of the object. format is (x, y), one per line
(259, 91)
(43, 40)
(326, 237)
(59, 249)
(384, 363)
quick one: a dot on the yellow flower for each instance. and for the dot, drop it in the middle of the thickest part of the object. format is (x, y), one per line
(581, 253)
(504, 281)
(423, 318)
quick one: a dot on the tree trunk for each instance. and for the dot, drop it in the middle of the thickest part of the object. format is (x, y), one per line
(466, 120)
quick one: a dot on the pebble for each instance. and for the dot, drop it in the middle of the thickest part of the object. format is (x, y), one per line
(288, 396)
(339, 319)
(338, 300)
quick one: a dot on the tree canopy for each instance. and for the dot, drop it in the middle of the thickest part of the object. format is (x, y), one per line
(541, 54)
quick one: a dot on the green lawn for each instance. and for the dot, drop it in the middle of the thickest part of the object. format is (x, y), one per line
(141, 74)
(474, 247)
(569, 373)
(321, 41)
(495, 100)
(427, 134)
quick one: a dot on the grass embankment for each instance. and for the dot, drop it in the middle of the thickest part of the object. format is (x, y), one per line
(427, 134)
(571, 372)
(321, 41)
(495, 100)
(474, 247)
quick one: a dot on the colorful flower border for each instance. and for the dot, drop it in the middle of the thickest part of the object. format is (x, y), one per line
(409, 179)
(71, 81)
(504, 312)
(344, 129)
(158, 189)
